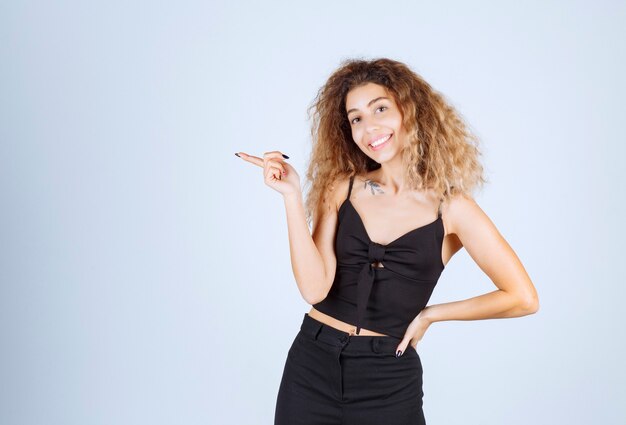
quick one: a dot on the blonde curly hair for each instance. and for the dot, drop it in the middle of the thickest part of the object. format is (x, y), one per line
(441, 153)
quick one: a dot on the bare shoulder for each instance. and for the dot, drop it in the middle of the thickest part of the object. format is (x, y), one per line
(460, 211)
(338, 191)
(330, 202)
(475, 231)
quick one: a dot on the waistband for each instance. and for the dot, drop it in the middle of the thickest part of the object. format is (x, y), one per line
(316, 330)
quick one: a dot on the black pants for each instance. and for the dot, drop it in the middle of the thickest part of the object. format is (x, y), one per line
(333, 378)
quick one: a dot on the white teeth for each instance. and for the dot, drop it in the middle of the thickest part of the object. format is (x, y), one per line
(380, 141)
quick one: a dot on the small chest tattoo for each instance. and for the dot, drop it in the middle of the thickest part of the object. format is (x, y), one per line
(374, 187)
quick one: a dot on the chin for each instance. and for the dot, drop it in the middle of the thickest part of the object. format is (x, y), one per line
(386, 158)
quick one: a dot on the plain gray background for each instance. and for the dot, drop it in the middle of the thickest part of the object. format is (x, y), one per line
(145, 271)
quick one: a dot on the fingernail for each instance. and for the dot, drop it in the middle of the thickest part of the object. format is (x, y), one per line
(285, 156)
(237, 154)
(398, 353)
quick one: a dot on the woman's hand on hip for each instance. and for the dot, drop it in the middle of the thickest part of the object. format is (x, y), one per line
(414, 332)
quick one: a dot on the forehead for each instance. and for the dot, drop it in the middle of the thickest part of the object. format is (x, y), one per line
(360, 96)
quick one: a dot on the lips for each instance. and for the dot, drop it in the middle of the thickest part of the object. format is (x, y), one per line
(378, 138)
(382, 145)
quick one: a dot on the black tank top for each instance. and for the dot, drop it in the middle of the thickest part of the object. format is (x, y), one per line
(383, 299)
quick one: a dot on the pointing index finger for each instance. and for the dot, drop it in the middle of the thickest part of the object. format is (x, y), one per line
(251, 158)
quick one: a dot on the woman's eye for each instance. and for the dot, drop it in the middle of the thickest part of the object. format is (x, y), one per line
(380, 107)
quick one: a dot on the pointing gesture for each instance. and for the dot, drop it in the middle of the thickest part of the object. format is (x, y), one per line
(278, 174)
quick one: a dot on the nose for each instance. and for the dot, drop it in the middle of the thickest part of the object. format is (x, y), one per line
(372, 126)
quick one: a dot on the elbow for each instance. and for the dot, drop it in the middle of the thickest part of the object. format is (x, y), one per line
(310, 298)
(318, 295)
(313, 299)
(530, 305)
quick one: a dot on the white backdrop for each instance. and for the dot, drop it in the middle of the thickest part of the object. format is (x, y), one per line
(145, 272)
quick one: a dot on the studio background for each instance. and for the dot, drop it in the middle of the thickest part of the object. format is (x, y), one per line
(145, 275)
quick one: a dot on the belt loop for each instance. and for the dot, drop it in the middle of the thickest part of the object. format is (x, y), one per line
(375, 345)
(310, 327)
(316, 331)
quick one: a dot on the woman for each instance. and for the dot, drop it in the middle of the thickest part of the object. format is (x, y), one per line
(392, 169)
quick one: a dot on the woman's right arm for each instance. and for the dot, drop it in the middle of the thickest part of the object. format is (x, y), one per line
(313, 259)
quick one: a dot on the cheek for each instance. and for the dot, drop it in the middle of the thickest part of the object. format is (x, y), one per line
(399, 127)
(397, 123)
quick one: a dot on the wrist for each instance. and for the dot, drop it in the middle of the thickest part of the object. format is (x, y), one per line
(291, 198)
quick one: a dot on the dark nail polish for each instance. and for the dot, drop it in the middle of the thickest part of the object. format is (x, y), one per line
(398, 353)
(285, 156)
(237, 154)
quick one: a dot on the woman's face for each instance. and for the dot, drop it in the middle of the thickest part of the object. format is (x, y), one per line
(373, 116)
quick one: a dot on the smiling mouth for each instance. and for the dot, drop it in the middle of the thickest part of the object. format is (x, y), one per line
(381, 143)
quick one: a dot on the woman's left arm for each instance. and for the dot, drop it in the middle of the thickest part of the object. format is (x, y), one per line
(516, 295)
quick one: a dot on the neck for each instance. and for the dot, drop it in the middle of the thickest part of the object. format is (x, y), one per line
(391, 176)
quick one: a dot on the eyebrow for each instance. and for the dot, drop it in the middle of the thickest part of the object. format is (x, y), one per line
(369, 104)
